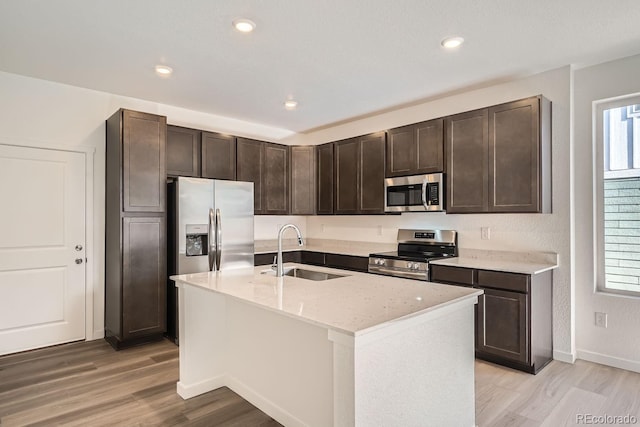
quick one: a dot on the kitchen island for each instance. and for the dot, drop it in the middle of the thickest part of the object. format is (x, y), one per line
(355, 350)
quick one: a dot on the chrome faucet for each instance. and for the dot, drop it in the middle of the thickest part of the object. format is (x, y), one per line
(279, 266)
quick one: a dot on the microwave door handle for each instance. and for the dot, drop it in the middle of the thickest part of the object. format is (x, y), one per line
(424, 194)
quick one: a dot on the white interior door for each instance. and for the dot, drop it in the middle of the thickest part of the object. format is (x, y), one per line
(42, 254)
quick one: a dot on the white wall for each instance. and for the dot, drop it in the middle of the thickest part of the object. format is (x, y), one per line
(517, 232)
(46, 114)
(619, 343)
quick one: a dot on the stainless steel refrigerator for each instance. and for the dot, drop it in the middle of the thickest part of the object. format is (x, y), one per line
(210, 228)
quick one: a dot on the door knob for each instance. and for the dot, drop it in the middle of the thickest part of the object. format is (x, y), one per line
(78, 248)
(78, 260)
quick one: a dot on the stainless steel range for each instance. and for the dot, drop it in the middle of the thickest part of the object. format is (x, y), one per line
(415, 249)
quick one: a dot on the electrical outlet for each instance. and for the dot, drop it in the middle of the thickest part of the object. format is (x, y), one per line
(601, 319)
(485, 233)
(322, 228)
(379, 230)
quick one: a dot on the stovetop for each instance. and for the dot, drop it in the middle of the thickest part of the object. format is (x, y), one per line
(415, 249)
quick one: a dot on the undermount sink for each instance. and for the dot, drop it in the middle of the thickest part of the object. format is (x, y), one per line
(303, 273)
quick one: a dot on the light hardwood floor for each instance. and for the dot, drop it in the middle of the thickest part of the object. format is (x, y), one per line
(89, 384)
(557, 396)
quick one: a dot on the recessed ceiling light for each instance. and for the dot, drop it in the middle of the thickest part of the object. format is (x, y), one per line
(452, 42)
(244, 25)
(163, 70)
(290, 104)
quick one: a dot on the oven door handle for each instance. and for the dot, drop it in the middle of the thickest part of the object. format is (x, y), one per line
(406, 273)
(424, 194)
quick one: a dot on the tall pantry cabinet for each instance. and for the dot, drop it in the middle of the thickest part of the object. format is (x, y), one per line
(135, 252)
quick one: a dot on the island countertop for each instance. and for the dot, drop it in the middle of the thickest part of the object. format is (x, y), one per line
(355, 304)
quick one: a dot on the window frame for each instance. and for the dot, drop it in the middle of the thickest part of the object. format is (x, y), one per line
(598, 108)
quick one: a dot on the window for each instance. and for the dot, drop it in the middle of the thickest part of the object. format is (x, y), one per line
(617, 138)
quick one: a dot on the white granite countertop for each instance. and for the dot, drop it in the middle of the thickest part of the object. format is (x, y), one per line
(511, 262)
(355, 304)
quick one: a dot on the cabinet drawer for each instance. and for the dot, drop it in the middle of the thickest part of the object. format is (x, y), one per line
(263, 259)
(454, 275)
(313, 258)
(347, 262)
(268, 258)
(500, 280)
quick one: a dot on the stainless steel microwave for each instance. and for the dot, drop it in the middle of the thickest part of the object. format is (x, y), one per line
(416, 193)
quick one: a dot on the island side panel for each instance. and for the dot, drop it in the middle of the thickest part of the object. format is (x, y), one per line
(411, 374)
(280, 364)
(203, 340)
(343, 379)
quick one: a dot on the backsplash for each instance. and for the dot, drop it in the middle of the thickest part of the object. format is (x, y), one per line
(266, 227)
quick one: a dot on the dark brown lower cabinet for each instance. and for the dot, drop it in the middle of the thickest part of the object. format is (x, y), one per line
(513, 316)
(501, 328)
(347, 262)
(313, 258)
(140, 315)
(344, 262)
(268, 258)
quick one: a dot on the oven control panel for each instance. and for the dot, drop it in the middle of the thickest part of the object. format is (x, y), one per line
(399, 268)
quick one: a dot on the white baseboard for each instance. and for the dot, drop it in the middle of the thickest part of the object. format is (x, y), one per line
(564, 357)
(98, 334)
(603, 359)
(187, 391)
(265, 405)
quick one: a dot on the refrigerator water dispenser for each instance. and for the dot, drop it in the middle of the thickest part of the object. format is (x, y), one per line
(197, 240)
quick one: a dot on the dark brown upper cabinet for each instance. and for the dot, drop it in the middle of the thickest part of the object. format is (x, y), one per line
(371, 173)
(346, 160)
(192, 152)
(467, 151)
(144, 138)
(415, 149)
(250, 166)
(183, 151)
(359, 174)
(324, 199)
(303, 180)
(520, 156)
(275, 190)
(218, 156)
(267, 166)
(499, 158)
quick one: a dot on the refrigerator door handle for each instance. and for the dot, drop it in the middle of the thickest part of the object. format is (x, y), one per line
(218, 239)
(212, 247)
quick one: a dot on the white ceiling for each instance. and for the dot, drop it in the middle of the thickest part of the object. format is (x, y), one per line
(340, 59)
